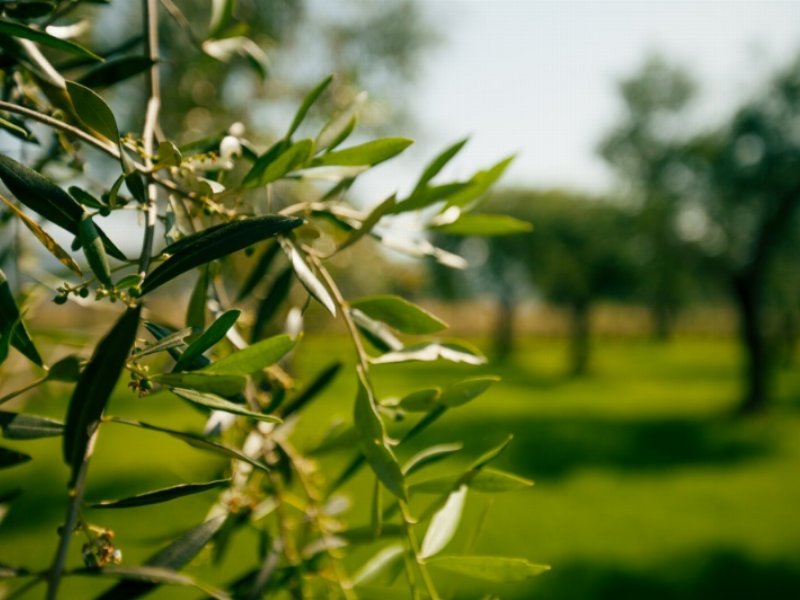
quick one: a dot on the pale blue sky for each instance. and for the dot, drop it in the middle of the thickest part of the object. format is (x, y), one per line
(538, 78)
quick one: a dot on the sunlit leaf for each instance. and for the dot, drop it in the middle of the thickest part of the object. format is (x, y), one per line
(308, 101)
(208, 338)
(494, 480)
(95, 386)
(421, 400)
(380, 561)
(215, 383)
(47, 241)
(429, 456)
(268, 169)
(162, 495)
(375, 215)
(18, 426)
(368, 154)
(151, 576)
(11, 325)
(308, 278)
(399, 313)
(216, 403)
(253, 358)
(438, 163)
(497, 569)
(463, 391)
(216, 242)
(170, 341)
(479, 184)
(431, 352)
(485, 225)
(444, 524)
(13, 29)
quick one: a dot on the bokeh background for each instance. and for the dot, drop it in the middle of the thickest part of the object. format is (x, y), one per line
(646, 329)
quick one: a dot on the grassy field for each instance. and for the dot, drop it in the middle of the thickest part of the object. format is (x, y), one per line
(646, 487)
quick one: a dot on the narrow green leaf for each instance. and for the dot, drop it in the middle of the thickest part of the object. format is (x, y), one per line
(376, 510)
(380, 561)
(368, 154)
(429, 195)
(18, 426)
(273, 168)
(494, 480)
(115, 71)
(221, 14)
(162, 495)
(48, 242)
(438, 163)
(444, 524)
(18, 129)
(196, 441)
(463, 391)
(372, 437)
(308, 101)
(19, 30)
(215, 383)
(485, 225)
(268, 307)
(95, 386)
(308, 278)
(253, 358)
(259, 270)
(68, 369)
(11, 325)
(316, 387)
(85, 198)
(399, 314)
(429, 456)
(47, 199)
(216, 242)
(431, 352)
(196, 309)
(150, 576)
(368, 224)
(208, 339)
(11, 458)
(216, 403)
(479, 184)
(176, 339)
(490, 455)
(378, 334)
(94, 251)
(28, 9)
(421, 400)
(93, 111)
(498, 569)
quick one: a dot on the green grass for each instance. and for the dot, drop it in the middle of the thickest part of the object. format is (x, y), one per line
(646, 486)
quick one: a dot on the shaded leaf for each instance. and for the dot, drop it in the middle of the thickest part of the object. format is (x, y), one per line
(484, 225)
(421, 400)
(444, 524)
(372, 437)
(216, 242)
(399, 314)
(380, 561)
(18, 426)
(269, 306)
(216, 403)
(195, 441)
(68, 369)
(85, 198)
(19, 30)
(162, 495)
(259, 271)
(368, 154)
(254, 357)
(150, 576)
(494, 480)
(463, 391)
(208, 338)
(378, 334)
(18, 129)
(11, 458)
(268, 168)
(48, 242)
(196, 309)
(429, 456)
(308, 101)
(308, 278)
(93, 111)
(488, 456)
(215, 383)
(95, 386)
(489, 568)
(317, 386)
(170, 341)
(114, 71)
(94, 251)
(11, 325)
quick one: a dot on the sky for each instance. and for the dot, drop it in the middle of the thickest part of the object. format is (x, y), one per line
(538, 78)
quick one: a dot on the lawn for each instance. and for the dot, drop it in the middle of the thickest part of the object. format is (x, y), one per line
(646, 487)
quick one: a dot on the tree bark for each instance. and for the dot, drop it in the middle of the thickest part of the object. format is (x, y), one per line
(751, 330)
(579, 338)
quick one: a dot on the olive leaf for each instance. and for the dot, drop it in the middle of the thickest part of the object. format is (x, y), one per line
(162, 495)
(12, 328)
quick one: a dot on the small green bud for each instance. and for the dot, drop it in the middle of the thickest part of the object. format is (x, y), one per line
(83, 292)
(60, 299)
(135, 291)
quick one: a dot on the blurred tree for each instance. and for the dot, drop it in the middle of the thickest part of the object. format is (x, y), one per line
(746, 199)
(644, 150)
(576, 256)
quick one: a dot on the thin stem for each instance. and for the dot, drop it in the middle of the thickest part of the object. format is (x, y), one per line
(16, 393)
(76, 498)
(150, 11)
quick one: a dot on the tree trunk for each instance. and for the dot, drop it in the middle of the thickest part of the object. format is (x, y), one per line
(579, 338)
(504, 325)
(746, 292)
